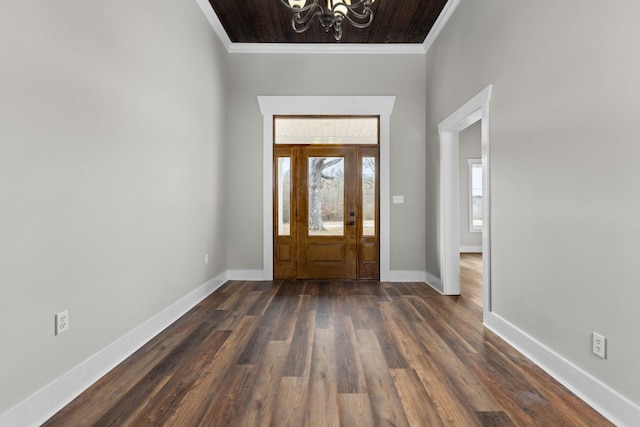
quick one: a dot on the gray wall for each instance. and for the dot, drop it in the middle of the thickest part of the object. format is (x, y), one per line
(122, 155)
(564, 147)
(469, 148)
(111, 174)
(325, 74)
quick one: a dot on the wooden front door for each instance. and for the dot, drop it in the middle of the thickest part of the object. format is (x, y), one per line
(326, 212)
(326, 222)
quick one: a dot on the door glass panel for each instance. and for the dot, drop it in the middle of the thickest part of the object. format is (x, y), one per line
(326, 196)
(368, 196)
(284, 196)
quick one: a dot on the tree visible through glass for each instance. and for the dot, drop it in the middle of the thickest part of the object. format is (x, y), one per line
(284, 196)
(368, 196)
(326, 196)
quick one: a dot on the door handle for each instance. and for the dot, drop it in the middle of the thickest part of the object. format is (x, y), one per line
(351, 223)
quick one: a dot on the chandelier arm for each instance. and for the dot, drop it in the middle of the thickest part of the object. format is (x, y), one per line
(352, 12)
(364, 15)
(367, 15)
(365, 5)
(306, 21)
(337, 31)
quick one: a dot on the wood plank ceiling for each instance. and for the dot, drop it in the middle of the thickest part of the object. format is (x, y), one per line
(267, 21)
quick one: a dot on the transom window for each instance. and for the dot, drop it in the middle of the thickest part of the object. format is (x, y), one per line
(326, 130)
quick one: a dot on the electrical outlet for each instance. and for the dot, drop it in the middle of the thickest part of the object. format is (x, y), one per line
(206, 258)
(62, 322)
(599, 345)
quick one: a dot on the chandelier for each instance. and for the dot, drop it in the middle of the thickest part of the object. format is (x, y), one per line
(358, 13)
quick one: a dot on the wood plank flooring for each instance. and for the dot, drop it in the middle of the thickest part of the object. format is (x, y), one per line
(330, 353)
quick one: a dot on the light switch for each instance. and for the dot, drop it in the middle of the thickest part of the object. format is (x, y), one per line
(398, 199)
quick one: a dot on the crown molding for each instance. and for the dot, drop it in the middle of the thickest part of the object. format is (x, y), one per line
(443, 18)
(316, 48)
(211, 16)
(350, 48)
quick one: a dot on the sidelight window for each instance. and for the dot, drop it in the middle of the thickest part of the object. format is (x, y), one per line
(368, 196)
(284, 196)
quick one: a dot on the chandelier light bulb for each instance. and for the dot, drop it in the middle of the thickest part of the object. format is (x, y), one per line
(297, 3)
(338, 6)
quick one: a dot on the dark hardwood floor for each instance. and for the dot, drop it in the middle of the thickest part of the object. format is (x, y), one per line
(329, 353)
(471, 277)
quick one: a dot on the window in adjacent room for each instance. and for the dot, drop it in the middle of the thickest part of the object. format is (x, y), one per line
(475, 195)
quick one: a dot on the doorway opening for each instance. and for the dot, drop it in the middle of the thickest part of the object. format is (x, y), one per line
(470, 203)
(326, 197)
(474, 110)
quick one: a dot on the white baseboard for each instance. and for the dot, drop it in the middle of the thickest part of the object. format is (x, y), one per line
(611, 404)
(391, 276)
(42, 405)
(405, 276)
(245, 275)
(434, 282)
(470, 249)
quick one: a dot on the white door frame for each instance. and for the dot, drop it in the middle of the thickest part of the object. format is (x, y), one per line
(326, 105)
(476, 109)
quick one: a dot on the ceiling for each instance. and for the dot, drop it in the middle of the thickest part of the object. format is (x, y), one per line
(268, 21)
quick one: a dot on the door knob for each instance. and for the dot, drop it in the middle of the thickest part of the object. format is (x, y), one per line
(352, 223)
